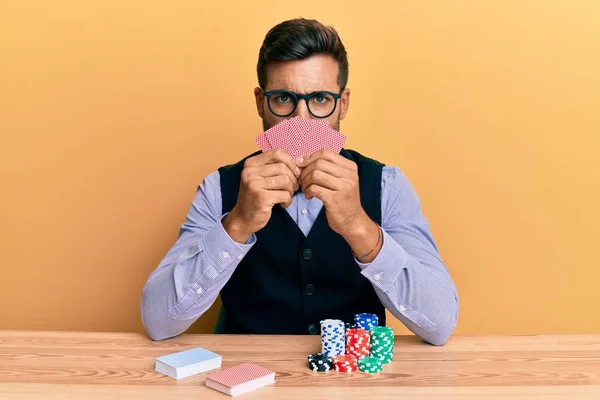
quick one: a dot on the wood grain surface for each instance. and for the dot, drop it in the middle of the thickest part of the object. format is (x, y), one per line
(83, 365)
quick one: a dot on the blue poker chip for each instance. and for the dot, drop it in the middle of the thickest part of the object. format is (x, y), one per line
(366, 321)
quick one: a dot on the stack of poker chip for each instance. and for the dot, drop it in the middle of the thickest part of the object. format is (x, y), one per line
(370, 365)
(358, 342)
(320, 362)
(366, 321)
(345, 363)
(365, 346)
(333, 337)
(382, 344)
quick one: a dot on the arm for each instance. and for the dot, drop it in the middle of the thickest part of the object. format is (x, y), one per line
(189, 278)
(405, 268)
(208, 250)
(408, 274)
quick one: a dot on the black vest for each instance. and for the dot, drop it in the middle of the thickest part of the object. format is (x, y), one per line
(288, 283)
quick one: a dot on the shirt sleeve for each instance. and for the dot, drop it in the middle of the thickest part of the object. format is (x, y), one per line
(408, 274)
(189, 278)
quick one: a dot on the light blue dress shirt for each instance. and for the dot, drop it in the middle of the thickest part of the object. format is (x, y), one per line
(408, 274)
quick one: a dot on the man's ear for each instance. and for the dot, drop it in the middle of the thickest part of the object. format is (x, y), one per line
(344, 103)
(258, 95)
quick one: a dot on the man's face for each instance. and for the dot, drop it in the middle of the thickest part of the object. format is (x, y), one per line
(318, 73)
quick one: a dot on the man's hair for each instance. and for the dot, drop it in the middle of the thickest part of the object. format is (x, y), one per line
(298, 39)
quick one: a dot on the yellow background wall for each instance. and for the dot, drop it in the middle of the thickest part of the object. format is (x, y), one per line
(112, 112)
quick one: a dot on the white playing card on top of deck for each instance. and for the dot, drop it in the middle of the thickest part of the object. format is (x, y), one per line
(240, 379)
(188, 362)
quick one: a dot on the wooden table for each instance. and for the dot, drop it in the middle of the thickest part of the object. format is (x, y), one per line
(74, 365)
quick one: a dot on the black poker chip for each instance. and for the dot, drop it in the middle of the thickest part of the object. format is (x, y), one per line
(320, 362)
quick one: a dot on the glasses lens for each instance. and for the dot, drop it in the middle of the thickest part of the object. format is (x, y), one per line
(282, 103)
(321, 104)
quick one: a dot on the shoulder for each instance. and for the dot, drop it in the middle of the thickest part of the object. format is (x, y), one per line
(212, 180)
(398, 195)
(208, 192)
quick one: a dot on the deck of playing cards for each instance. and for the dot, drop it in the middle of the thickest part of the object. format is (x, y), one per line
(301, 136)
(187, 363)
(242, 378)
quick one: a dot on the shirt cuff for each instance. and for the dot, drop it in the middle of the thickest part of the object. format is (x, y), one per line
(221, 250)
(388, 264)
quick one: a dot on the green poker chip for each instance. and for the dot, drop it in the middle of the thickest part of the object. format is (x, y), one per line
(382, 344)
(370, 365)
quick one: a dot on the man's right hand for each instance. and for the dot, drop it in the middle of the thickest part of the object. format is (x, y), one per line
(267, 179)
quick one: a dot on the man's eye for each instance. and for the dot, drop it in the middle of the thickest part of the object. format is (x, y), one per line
(321, 98)
(284, 98)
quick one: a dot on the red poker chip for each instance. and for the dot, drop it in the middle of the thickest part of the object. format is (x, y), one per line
(345, 362)
(346, 368)
(358, 342)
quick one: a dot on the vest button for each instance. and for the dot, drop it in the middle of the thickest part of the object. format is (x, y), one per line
(307, 254)
(312, 329)
(309, 289)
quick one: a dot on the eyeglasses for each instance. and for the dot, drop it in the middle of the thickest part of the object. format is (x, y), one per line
(283, 103)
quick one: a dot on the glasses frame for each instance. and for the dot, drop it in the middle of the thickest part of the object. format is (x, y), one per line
(306, 97)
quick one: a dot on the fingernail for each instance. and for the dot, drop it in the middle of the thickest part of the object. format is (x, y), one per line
(297, 171)
(300, 160)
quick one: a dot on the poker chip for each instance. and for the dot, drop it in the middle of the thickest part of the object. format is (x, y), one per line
(345, 363)
(358, 342)
(364, 346)
(333, 337)
(366, 321)
(320, 362)
(382, 344)
(370, 365)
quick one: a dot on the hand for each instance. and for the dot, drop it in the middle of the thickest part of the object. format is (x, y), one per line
(267, 179)
(334, 180)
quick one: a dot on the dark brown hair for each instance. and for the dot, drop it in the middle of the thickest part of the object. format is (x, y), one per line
(298, 39)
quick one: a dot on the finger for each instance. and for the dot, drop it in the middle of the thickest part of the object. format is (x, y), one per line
(280, 197)
(321, 178)
(276, 170)
(325, 166)
(319, 192)
(273, 157)
(279, 182)
(328, 155)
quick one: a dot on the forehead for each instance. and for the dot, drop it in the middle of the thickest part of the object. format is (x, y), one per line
(319, 72)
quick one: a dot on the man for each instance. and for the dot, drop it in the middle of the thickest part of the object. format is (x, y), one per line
(287, 243)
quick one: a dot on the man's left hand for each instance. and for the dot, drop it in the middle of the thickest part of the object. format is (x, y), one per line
(334, 180)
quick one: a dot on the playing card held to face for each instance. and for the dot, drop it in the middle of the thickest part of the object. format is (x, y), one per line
(242, 378)
(262, 142)
(299, 136)
(319, 136)
(278, 135)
